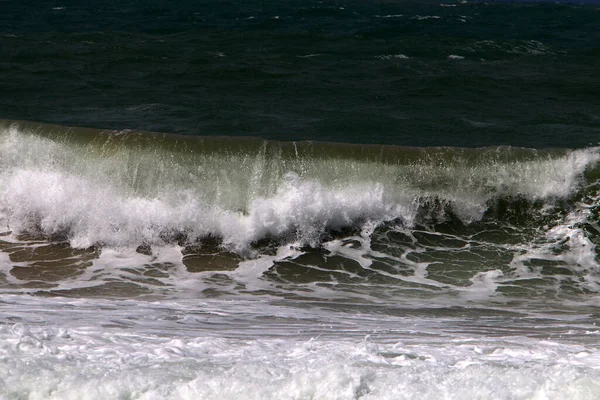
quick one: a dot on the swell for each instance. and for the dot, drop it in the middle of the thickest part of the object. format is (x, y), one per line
(125, 188)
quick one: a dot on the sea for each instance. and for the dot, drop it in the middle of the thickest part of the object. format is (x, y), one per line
(299, 199)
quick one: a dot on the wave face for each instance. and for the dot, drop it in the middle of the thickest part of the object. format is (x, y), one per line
(126, 188)
(432, 217)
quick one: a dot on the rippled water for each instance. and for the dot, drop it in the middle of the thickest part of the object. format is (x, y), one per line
(279, 238)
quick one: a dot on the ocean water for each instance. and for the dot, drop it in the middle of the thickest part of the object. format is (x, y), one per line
(299, 200)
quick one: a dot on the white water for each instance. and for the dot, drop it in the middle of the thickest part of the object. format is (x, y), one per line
(99, 349)
(124, 196)
(241, 335)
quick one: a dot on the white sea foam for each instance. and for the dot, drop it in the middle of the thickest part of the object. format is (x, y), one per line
(392, 56)
(98, 349)
(577, 251)
(54, 202)
(424, 17)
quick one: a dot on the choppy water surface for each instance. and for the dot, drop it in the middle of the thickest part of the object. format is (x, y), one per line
(149, 265)
(409, 73)
(339, 200)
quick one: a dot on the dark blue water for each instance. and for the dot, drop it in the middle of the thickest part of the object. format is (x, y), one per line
(397, 72)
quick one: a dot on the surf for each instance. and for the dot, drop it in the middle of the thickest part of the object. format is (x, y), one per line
(129, 188)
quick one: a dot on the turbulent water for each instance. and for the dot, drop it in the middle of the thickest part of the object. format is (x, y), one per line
(303, 200)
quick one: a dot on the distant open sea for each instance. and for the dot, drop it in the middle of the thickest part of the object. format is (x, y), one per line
(282, 199)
